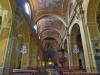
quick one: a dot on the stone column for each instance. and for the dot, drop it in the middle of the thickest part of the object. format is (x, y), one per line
(94, 35)
(69, 51)
(89, 56)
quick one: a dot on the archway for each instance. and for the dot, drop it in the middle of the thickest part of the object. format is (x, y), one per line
(78, 60)
(50, 47)
(93, 26)
(49, 30)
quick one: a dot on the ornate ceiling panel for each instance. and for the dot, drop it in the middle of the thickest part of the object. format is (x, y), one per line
(49, 26)
(46, 6)
(50, 23)
(50, 4)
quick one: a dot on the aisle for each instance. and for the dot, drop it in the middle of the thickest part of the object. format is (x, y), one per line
(52, 71)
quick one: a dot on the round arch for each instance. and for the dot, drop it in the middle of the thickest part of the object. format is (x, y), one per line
(91, 17)
(71, 28)
(51, 30)
(57, 36)
(94, 17)
(49, 38)
(53, 15)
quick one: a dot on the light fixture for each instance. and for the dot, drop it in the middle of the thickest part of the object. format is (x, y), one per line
(27, 8)
(39, 37)
(50, 62)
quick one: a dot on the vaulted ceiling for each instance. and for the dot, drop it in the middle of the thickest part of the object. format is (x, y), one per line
(44, 14)
(49, 16)
(57, 7)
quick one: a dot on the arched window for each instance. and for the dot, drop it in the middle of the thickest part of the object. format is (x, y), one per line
(27, 8)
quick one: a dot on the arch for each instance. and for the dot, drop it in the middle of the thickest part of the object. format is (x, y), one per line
(49, 38)
(50, 30)
(57, 39)
(92, 7)
(50, 47)
(77, 48)
(53, 15)
(48, 22)
(71, 28)
(56, 35)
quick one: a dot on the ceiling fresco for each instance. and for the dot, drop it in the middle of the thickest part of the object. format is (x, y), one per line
(49, 26)
(50, 4)
(40, 7)
(50, 23)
